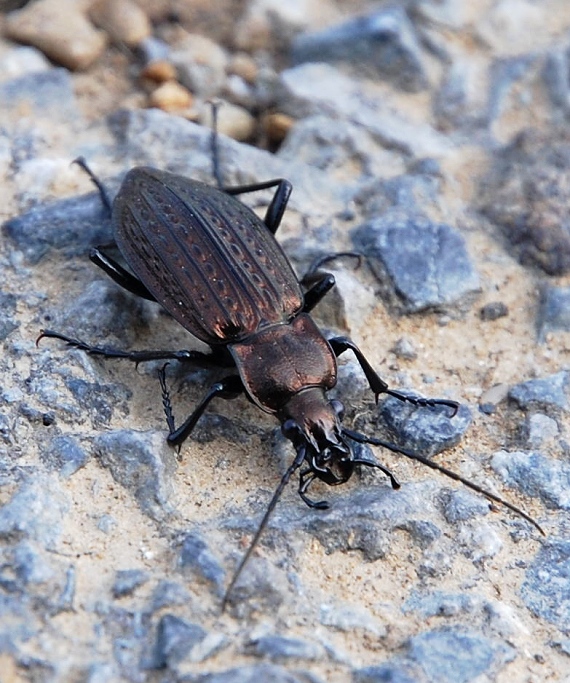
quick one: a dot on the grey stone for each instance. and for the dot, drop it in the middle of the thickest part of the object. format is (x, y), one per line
(255, 674)
(261, 588)
(390, 672)
(196, 556)
(424, 430)
(68, 226)
(546, 589)
(545, 393)
(127, 581)
(36, 510)
(380, 45)
(346, 617)
(554, 312)
(8, 323)
(539, 428)
(555, 74)
(320, 88)
(175, 640)
(439, 604)
(278, 648)
(454, 655)
(142, 463)
(168, 594)
(47, 94)
(535, 475)
(460, 505)
(426, 263)
(493, 311)
(64, 454)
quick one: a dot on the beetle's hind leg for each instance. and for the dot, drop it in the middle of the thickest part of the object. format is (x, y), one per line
(228, 388)
(80, 161)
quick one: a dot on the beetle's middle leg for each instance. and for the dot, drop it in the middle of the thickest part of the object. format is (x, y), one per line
(378, 385)
(228, 388)
(119, 274)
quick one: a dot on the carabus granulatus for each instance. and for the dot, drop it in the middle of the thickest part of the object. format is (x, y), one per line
(217, 268)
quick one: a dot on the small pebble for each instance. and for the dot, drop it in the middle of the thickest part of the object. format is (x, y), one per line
(171, 97)
(233, 121)
(404, 349)
(276, 126)
(123, 20)
(160, 71)
(201, 65)
(494, 310)
(59, 30)
(241, 64)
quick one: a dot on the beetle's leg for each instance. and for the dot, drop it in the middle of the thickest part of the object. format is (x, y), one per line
(197, 357)
(120, 275)
(306, 478)
(318, 283)
(278, 204)
(341, 344)
(318, 290)
(80, 161)
(320, 261)
(227, 388)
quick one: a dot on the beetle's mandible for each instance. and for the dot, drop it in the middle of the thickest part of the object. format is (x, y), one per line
(217, 268)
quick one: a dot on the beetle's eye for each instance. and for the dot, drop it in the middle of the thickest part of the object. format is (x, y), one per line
(338, 408)
(290, 429)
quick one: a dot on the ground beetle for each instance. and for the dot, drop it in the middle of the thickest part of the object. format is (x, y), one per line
(216, 267)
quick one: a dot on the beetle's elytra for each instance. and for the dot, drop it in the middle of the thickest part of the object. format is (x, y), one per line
(217, 268)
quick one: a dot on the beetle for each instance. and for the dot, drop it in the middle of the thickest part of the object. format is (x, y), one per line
(216, 267)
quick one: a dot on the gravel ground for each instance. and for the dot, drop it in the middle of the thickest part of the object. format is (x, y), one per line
(430, 136)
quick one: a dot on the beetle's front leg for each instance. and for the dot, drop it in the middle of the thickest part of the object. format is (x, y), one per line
(228, 388)
(341, 344)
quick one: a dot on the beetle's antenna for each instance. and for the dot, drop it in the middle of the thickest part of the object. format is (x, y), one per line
(362, 438)
(300, 457)
(215, 145)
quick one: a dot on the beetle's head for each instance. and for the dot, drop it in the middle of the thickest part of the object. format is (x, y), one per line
(313, 424)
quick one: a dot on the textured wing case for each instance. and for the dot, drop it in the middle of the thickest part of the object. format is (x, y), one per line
(207, 258)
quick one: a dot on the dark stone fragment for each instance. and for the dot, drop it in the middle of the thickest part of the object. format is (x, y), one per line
(390, 672)
(257, 674)
(280, 648)
(527, 195)
(494, 311)
(554, 312)
(7, 310)
(70, 227)
(174, 641)
(127, 581)
(196, 556)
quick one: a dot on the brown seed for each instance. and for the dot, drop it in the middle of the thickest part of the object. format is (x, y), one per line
(171, 97)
